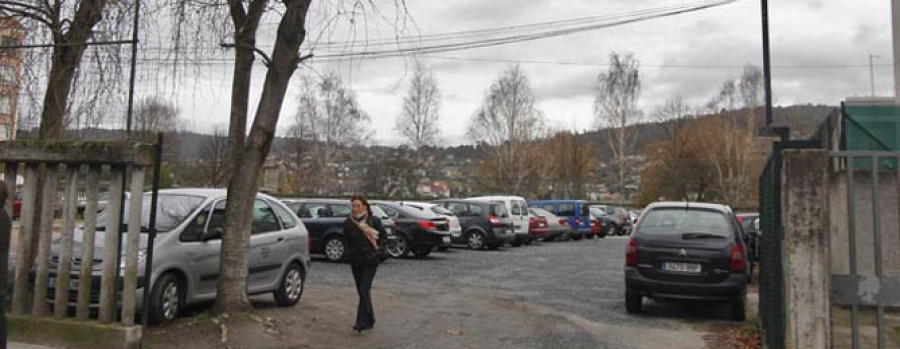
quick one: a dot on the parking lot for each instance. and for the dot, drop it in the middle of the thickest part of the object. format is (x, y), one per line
(546, 295)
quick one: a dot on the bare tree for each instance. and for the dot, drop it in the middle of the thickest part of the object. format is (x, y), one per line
(570, 162)
(214, 159)
(505, 126)
(328, 121)
(615, 107)
(153, 114)
(418, 121)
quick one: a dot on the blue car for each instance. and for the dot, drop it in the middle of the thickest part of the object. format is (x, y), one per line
(577, 212)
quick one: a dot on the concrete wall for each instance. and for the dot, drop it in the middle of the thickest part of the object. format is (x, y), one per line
(888, 194)
(806, 237)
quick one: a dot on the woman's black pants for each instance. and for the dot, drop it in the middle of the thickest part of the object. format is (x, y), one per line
(364, 275)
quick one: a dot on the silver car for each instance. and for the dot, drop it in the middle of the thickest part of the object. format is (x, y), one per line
(186, 251)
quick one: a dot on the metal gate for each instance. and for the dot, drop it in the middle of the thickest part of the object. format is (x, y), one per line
(865, 257)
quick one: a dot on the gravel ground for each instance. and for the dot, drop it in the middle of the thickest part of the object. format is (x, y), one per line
(546, 295)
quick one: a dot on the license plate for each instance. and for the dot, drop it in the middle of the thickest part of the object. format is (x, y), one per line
(509, 231)
(446, 239)
(682, 267)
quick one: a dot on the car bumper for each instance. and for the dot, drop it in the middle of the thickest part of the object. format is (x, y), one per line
(538, 232)
(733, 286)
(501, 236)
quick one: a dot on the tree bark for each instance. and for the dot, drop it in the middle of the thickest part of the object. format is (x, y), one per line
(232, 288)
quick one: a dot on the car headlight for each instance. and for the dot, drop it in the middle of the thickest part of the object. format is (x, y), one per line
(142, 257)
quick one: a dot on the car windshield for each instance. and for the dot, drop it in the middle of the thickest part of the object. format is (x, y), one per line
(684, 223)
(597, 212)
(171, 210)
(441, 211)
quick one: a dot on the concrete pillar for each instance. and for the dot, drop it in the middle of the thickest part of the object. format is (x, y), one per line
(895, 23)
(806, 225)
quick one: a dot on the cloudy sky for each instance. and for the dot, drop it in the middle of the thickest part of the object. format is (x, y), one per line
(820, 55)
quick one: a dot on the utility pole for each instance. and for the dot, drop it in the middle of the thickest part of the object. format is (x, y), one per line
(872, 73)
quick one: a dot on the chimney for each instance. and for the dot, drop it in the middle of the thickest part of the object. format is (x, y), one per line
(895, 21)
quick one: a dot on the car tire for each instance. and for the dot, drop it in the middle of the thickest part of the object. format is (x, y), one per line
(166, 299)
(565, 236)
(290, 289)
(590, 236)
(400, 248)
(739, 308)
(335, 249)
(634, 302)
(577, 236)
(475, 240)
(421, 251)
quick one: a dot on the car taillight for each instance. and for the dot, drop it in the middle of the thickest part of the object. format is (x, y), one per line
(631, 252)
(426, 224)
(622, 217)
(593, 223)
(563, 222)
(737, 258)
(494, 220)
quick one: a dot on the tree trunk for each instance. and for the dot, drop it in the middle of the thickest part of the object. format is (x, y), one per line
(232, 288)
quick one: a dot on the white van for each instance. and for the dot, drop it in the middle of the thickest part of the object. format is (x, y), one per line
(518, 213)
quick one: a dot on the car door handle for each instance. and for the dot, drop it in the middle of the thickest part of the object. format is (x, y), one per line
(280, 238)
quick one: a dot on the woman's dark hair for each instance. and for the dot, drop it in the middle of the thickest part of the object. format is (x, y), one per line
(363, 200)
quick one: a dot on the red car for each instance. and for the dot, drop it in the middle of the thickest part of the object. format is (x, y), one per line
(537, 227)
(17, 205)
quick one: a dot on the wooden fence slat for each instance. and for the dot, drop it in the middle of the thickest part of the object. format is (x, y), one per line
(85, 277)
(10, 179)
(134, 239)
(21, 291)
(11, 182)
(39, 303)
(109, 279)
(64, 267)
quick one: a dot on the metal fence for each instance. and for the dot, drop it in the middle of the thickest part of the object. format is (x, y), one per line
(859, 279)
(771, 278)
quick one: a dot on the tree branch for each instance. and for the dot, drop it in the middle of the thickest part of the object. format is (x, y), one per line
(25, 13)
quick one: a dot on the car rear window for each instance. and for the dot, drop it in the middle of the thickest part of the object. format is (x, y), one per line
(585, 211)
(680, 221)
(498, 210)
(441, 210)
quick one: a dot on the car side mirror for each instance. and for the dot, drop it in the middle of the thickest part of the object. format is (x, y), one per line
(214, 234)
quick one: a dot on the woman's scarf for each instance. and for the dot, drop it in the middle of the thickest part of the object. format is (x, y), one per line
(369, 232)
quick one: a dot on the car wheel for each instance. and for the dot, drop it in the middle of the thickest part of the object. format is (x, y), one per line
(634, 302)
(577, 236)
(291, 286)
(739, 308)
(590, 236)
(335, 249)
(400, 247)
(421, 251)
(565, 236)
(475, 240)
(166, 299)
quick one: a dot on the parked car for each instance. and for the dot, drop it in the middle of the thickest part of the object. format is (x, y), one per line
(557, 227)
(517, 209)
(102, 202)
(750, 222)
(419, 231)
(389, 248)
(619, 218)
(576, 212)
(324, 219)
(17, 205)
(605, 225)
(484, 224)
(455, 228)
(689, 251)
(187, 247)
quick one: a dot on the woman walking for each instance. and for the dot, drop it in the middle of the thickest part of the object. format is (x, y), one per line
(362, 231)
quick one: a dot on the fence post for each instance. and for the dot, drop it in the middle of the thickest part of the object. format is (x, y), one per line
(806, 226)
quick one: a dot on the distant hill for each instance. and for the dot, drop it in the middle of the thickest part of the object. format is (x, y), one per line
(803, 120)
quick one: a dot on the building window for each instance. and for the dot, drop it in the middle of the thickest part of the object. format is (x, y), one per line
(9, 41)
(7, 75)
(4, 133)
(6, 104)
